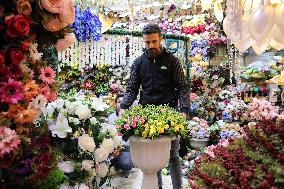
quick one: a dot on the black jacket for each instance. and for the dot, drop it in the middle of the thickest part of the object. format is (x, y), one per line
(162, 80)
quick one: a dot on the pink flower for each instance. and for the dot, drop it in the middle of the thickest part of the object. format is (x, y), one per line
(193, 96)
(117, 126)
(224, 142)
(9, 140)
(45, 91)
(203, 123)
(52, 23)
(47, 75)
(142, 120)
(52, 96)
(114, 86)
(68, 14)
(53, 6)
(134, 124)
(65, 43)
(119, 134)
(12, 91)
(210, 151)
(126, 126)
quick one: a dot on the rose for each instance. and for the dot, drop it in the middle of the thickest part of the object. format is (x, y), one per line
(17, 26)
(53, 6)
(2, 58)
(14, 56)
(24, 7)
(86, 143)
(65, 43)
(25, 46)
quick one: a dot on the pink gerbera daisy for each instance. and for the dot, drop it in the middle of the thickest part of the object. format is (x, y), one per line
(47, 75)
(9, 140)
(45, 91)
(12, 91)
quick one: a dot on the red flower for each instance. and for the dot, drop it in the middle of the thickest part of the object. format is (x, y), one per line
(2, 59)
(14, 56)
(17, 26)
(25, 46)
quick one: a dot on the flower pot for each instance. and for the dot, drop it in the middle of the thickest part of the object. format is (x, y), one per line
(197, 143)
(150, 156)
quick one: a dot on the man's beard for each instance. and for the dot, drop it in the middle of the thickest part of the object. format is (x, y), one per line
(153, 52)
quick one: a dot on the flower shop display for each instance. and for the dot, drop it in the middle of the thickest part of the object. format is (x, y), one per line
(262, 110)
(151, 122)
(199, 133)
(27, 83)
(254, 161)
(84, 145)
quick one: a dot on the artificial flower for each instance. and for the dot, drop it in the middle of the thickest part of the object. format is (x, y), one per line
(60, 127)
(27, 70)
(12, 91)
(25, 45)
(9, 140)
(71, 106)
(107, 145)
(14, 56)
(2, 57)
(65, 43)
(87, 165)
(14, 109)
(24, 7)
(26, 116)
(86, 143)
(98, 104)
(66, 166)
(52, 23)
(47, 75)
(83, 112)
(74, 120)
(53, 6)
(34, 54)
(45, 91)
(68, 14)
(103, 170)
(17, 26)
(31, 90)
(39, 102)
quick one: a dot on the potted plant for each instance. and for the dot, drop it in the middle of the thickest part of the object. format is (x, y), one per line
(199, 133)
(150, 130)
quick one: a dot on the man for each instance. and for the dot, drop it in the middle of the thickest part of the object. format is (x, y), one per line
(163, 82)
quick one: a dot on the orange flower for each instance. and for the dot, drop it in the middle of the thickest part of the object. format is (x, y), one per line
(14, 109)
(31, 90)
(26, 116)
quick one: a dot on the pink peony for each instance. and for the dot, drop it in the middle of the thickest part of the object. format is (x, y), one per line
(47, 75)
(9, 140)
(65, 43)
(12, 91)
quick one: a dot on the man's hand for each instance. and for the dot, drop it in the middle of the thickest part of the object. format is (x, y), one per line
(120, 112)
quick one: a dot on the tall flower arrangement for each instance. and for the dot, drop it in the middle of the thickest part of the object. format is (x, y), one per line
(85, 146)
(27, 83)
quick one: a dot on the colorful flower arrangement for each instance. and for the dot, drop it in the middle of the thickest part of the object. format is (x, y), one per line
(262, 110)
(198, 128)
(27, 83)
(254, 161)
(86, 25)
(84, 145)
(233, 109)
(223, 130)
(120, 75)
(151, 122)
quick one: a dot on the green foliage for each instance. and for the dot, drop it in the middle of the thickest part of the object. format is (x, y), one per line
(54, 179)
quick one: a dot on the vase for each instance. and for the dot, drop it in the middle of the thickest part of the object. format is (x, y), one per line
(197, 143)
(150, 155)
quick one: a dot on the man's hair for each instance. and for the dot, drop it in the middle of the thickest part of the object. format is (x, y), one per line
(151, 28)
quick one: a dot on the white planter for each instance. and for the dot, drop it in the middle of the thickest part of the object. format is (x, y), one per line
(150, 156)
(197, 143)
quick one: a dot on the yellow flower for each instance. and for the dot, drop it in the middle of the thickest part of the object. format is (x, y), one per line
(176, 128)
(160, 130)
(159, 123)
(152, 131)
(181, 126)
(167, 126)
(144, 134)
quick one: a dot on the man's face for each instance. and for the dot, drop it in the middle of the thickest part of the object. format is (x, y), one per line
(153, 43)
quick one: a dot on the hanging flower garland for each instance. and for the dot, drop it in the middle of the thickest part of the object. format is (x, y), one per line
(87, 25)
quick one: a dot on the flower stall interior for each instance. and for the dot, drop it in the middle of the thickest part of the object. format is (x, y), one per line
(64, 64)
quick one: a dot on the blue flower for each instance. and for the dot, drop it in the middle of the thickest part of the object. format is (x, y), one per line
(192, 107)
(227, 116)
(86, 25)
(226, 134)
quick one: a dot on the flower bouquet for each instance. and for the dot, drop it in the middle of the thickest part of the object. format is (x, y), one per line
(232, 110)
(151, 122)
(85, 146)
(198, 128)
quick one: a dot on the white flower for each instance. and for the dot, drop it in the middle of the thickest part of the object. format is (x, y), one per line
(39, 102)
(34, 54)
(74, 120)
(101, 155)
(71, 106)
(103, 170)
(83, 112)
(59, 103)
(86, 143)
(49, 109)
(81, 186)
(94, 121)
(65, 185)
(59, 128)
(110, 128)
(87, 165)
(107, 145)
(99, 105)
(66, 166)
